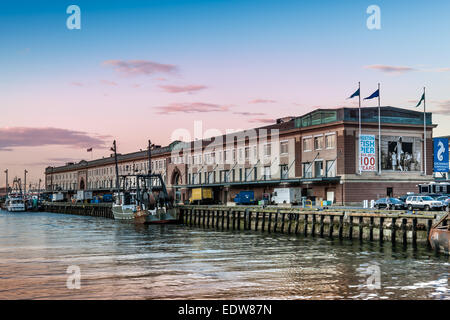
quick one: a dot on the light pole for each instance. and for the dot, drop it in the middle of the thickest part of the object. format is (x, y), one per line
(39, 189)
(7, 187)
(25, 182)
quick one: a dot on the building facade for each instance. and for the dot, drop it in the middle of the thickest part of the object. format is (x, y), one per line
(317, 152)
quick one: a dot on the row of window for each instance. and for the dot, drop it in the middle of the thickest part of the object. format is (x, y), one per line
(243, 154)
(317, 169)
(100, 184)
(319, 142)
(236, 175)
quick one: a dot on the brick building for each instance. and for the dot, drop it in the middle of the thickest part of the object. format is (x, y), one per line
(317, 152)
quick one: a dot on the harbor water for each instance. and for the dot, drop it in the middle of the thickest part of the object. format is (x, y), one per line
(39, 251)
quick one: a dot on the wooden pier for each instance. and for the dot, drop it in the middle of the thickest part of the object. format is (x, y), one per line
(376, 225)
(103, 210)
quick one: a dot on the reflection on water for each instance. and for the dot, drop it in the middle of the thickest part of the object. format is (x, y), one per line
(122, 261)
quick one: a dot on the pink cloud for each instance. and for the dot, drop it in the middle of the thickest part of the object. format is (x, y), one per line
(442, 107)
(77, 84)
(389, 69)
(195, 107)
(178, 89)
(11, 137)
(260, 120)
(249, 113)
(108, 83)
(262, 101)
(140, 67)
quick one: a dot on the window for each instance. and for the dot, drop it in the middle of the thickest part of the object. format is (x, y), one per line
(318, 168)
(267, 150)
(247, 174)
(283, 147)
(307, 170)
(266, 173)
(307, 144)
(284, 171)
(224, 176)
(330, 141)
(331, 168)
(247, 152)
(240, 174)
(318, 143)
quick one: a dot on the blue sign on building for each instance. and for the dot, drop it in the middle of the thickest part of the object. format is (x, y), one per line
(441, 163)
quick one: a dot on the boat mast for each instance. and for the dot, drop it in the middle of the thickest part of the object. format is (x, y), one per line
(114, 148)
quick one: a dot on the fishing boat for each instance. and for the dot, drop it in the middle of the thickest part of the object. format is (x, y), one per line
(125, 208)
(15, 201)
(148, 203)
(440, 235)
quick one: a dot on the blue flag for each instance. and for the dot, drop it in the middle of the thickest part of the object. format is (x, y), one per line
(356, 94)
(373, 95)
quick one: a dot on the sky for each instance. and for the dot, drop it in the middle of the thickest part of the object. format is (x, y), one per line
(139, 70)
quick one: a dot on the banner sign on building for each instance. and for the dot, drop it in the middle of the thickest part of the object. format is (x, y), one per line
(441, 163)
(367, 153)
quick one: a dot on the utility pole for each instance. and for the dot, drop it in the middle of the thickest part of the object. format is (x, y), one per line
(25, 182)
(150, 146)
(39, 189)
(7, 187)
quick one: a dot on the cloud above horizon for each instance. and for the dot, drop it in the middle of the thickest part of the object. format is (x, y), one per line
(140, 67)
(261, 120)
(390, 69)
(195, 107)
(249, 113)
(441, 107)
(12, 137)
(178, 89)
(261, 101)
(108, 83)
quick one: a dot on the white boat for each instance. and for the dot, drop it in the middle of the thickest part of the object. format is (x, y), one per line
(125, 208)
(15, 204)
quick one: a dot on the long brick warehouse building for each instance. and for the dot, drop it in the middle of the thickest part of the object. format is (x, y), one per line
(317, 152)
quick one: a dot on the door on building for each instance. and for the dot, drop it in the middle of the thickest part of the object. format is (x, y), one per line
(389, 192)
(330, 196)
(225, 197)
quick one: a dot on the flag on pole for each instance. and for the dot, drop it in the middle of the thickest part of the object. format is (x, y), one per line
(356, 94)
(373, 95)
(421, 99)
(89, 150)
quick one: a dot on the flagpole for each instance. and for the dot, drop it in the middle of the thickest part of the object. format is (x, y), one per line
(359, 137)
(379, 131)
(424, 134)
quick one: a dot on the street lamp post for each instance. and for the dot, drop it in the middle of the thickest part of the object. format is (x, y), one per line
(25, 182)
(7, 187)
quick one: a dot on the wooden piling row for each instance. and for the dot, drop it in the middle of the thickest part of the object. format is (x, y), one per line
(342, 224)
(102, 210)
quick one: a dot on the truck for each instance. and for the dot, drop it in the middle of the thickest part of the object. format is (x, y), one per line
(287, 195)
(245, 197)
(57, 197)
(201, 195)
(83, 195)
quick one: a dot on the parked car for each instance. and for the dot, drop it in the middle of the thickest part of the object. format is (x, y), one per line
(390, 204)
(445, 201)
(423, 202)
(404, 197)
